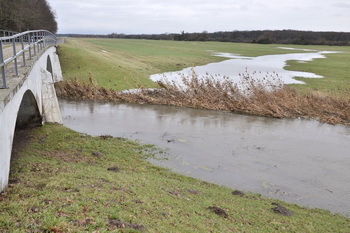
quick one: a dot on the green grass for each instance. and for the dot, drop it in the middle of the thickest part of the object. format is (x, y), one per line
(58, 184)
(121, 64)
(335, 68)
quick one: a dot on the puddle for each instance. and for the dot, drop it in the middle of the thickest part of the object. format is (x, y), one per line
(299, 161)
(269, 67)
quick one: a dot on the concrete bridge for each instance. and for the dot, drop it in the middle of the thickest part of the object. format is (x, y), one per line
(29, 68)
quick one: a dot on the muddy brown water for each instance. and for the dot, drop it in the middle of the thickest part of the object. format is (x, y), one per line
(299, 161)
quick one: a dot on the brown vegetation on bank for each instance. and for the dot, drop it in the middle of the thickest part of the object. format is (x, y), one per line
(258, 99)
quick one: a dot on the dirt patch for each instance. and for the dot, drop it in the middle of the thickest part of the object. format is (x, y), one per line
(114, 223)
(194, 192)
(97, 154)
(218, 211)
(105, 137)
(238, 193)
(281, 210)
(14, 181)
(113, 169)
(175, 193)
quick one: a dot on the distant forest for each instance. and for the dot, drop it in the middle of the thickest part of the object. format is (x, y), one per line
(23, 15)
(260, 37)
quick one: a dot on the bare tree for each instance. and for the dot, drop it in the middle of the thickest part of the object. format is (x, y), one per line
(21, 15)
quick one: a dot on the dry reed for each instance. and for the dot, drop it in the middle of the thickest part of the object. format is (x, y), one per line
(258, 98)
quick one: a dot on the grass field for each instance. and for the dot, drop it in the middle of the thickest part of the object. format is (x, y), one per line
(63, 181)
(335, 68)
(122, 64)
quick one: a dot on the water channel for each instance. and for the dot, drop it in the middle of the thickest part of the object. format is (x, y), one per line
(299, 161)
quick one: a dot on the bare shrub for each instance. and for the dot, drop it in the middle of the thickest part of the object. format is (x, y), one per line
(262, 98)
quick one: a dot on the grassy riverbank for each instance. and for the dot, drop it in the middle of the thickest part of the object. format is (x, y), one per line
(120, 64)
(63, 181)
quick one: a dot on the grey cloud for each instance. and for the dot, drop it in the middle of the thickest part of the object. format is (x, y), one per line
(342, 5)
(158, 16)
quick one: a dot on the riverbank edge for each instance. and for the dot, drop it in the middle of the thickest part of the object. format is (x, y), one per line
(283, 102)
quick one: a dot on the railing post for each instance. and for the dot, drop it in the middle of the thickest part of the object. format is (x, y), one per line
(30, 47)
(24, 52)
(33, 37)
(40, 41)
(44, 39)
(15, 55)
(4, 85)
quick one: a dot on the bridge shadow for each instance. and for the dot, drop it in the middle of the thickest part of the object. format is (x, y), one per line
(49, 65)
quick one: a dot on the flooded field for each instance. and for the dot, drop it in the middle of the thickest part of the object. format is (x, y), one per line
(268, 67)
(298, 161)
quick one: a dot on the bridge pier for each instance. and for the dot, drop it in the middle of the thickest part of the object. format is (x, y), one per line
(30, 100)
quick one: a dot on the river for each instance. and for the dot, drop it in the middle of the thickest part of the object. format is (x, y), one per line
(299, 161)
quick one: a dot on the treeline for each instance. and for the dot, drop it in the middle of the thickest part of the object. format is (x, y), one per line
(271, 37)
(22, 15)
(261, 37)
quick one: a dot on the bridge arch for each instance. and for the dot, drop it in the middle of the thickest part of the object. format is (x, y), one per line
(28, 115)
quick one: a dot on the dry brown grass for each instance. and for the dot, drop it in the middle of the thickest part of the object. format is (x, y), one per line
(274, 101)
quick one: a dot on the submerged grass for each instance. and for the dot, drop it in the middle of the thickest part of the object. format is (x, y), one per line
(63, 181)
(262, 99)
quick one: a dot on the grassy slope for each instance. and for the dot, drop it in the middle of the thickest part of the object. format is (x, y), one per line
(121, 64)
(58, 184)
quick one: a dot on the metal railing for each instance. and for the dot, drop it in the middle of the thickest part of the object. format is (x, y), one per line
(27, 43)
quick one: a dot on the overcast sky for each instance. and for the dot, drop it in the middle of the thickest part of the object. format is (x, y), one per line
(168, 16)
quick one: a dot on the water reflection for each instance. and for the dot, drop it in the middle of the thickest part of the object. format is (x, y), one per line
(299, 161)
